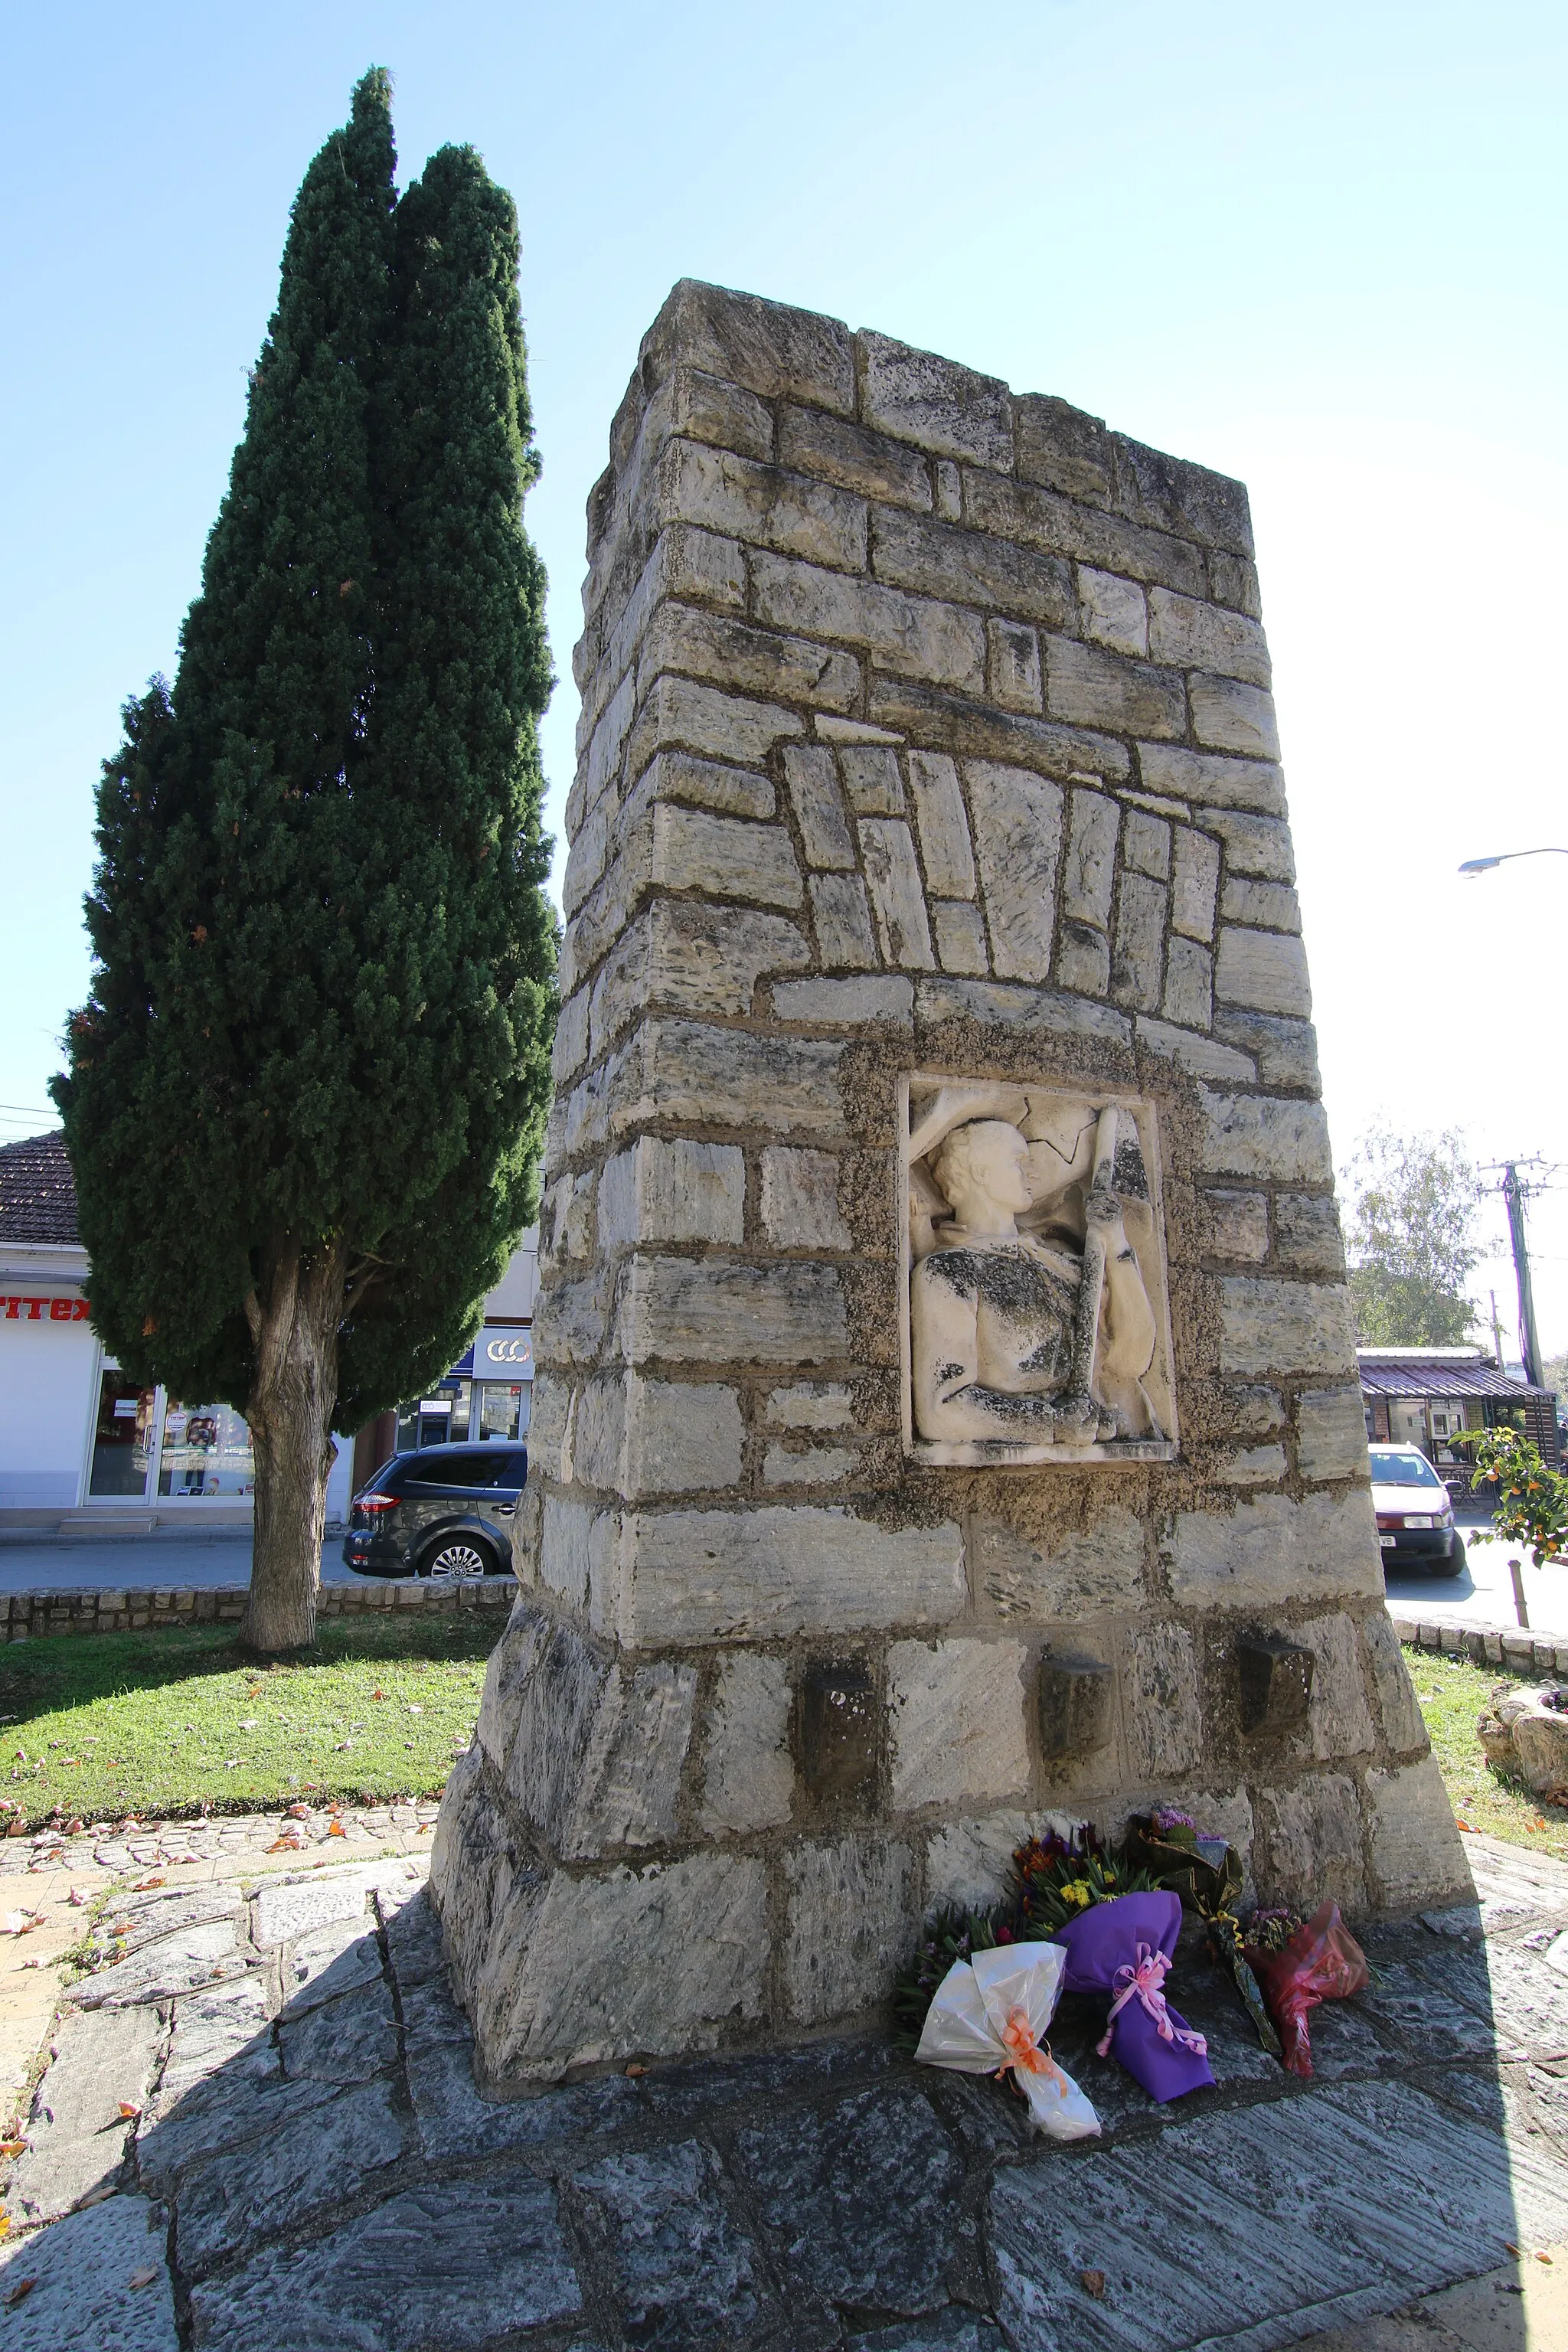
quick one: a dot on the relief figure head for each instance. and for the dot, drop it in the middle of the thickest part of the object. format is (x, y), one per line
(980, 1168)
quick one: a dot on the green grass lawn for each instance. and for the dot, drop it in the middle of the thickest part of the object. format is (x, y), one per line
(1452, 1694)
(94, 1727)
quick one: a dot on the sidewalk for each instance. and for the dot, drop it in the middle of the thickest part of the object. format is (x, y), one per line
(110, 1562)
(260, 2132)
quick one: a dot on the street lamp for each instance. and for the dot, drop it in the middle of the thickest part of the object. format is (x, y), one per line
(1474, 866)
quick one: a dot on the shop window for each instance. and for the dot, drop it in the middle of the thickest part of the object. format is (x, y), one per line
(503, 1410)
(122, 1439)
(205, 1451)
(441, 1419)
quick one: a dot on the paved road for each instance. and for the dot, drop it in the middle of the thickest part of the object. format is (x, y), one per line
(142, 1561)
(1482, 1594)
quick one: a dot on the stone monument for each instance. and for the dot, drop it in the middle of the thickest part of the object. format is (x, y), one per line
(947, 1410)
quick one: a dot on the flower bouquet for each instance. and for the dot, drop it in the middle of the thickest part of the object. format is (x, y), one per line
(1206, 1873)
(1124, 1946)
(989, 2016)
(1056, 1878)
(1320, 1960)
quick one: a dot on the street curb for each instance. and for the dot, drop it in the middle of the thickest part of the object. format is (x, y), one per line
(121, 1609)
(1484, 1646)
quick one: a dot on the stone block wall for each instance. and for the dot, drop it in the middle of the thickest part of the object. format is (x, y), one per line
(926, 728)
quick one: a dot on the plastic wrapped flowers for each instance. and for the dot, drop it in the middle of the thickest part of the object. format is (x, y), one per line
(990, 2015)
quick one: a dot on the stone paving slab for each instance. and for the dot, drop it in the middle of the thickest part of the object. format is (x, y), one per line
(316, 2168)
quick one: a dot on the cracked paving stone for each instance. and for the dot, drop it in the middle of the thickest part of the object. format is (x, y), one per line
(343, 2041)
(76, 2133)
(1345, 2043)
(1525, 1997)
(229, 2201)
(1426, 2021)
(331, 1961)
(149, 1917)
(414, 1940)
(295, 1906)
(948, 2331)
(456, 2121)
(862, 2199)
(702, 2086)
(81, 2299)
(685, 2275)
(223, 2113)
(457, 2265)
(1190, 2249)
(1467, 2192)
(174, 1964)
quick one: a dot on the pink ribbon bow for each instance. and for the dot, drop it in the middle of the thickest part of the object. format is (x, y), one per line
(1143, 1983)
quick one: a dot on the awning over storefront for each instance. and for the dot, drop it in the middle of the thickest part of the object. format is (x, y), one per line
(1439, 1376)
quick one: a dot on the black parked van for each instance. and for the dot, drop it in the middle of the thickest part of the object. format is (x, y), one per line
(443, 1511)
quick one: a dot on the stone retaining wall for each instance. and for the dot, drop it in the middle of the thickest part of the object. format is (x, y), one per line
(123, 1609)
(1487, 1646)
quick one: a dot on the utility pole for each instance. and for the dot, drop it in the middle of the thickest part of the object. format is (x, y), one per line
(1497, 1330)
(1528, 1345)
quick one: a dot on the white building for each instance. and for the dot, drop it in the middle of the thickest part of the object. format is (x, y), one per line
(82, 1446)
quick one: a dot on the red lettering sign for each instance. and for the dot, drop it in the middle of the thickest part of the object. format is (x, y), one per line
(60, 1310)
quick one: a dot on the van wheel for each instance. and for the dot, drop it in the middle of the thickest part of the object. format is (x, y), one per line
(458, 1556)
(1454, 1563)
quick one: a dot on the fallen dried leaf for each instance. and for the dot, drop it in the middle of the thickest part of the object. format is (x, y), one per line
(23, 2287)
(1508, 2247)
(143, 2277)
(32, 1964)
(74, 1828)
(22, 1923)
(13, 2147)
(18, 1827)
(1093, 2282)
(4, 2225)
(129, 2108)
(76, 1899)
(145, 1885)
(636, 2070)
(1544, 2258)
(285, 1845)
(298, 1812)
(378, 1693)
(336, 1829)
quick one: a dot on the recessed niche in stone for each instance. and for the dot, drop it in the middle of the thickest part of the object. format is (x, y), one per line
(838, 1720)
(1037, 1319)
(1275, 1680)
(1075, 1707)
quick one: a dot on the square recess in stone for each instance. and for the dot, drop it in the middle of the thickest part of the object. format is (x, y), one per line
(839, 1719)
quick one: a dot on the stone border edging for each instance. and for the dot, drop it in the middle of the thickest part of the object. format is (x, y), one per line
(1484, 1646)
(120, 1609)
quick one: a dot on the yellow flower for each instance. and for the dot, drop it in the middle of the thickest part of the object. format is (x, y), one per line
(1077, 1891)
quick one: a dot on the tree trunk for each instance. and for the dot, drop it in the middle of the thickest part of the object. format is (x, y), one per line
(294, 1315)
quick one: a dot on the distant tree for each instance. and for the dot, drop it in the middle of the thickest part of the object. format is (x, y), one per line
(1411, 1239)
(306, 1095)
(1555, 1370)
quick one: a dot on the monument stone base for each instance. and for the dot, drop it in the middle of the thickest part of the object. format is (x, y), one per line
(948, 1413)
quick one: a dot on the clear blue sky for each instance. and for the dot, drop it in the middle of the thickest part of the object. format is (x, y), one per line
(1321, 249)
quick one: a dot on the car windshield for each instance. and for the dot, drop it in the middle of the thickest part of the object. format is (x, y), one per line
(1402, 1470)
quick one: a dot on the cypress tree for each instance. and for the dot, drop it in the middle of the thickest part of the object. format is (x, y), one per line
(305, 1096)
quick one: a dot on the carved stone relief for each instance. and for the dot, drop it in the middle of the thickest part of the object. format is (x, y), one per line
(1038, 1324)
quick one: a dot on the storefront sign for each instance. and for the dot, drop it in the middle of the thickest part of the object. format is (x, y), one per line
(504, 1351)
(59, 1310)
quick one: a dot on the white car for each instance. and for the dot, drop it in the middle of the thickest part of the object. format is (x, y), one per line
(1415, 1517)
